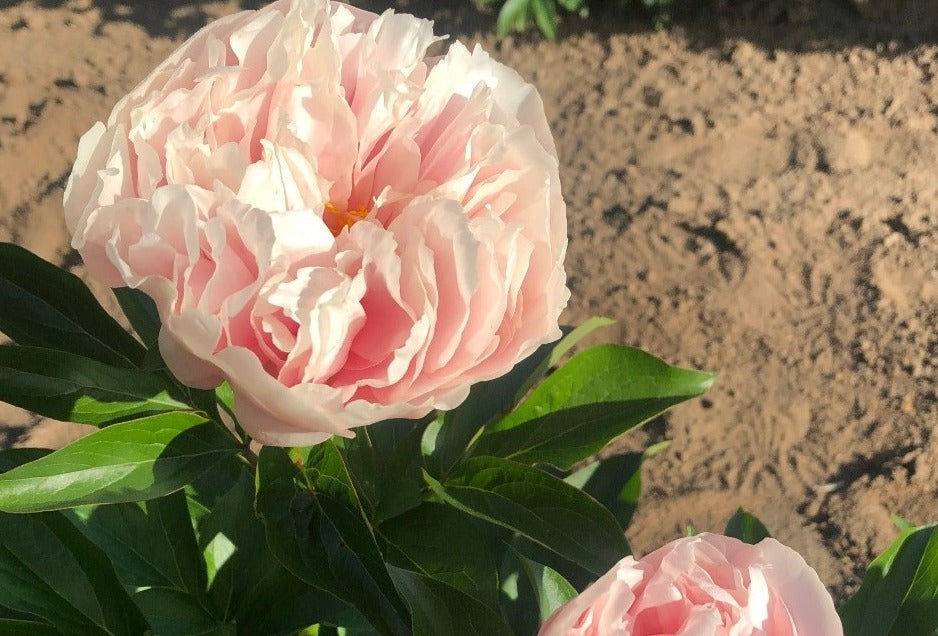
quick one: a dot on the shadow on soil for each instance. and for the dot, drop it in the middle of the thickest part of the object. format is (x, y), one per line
(180, 18)
(890, 27)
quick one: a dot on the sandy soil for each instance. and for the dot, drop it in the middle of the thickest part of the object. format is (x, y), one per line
(753, 192)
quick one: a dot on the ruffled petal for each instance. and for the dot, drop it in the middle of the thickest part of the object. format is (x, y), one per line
(339, 225)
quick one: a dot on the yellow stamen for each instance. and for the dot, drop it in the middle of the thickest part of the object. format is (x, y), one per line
(337, 219)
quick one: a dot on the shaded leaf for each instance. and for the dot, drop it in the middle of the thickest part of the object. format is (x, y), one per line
(71, 388)
(346, 532)
(48, 569)
(384, 462)
(231, 539)
(518, 598)
(171, 611)
(745, 527)
(280, 603)
(131, 461)
(13, 457)
(151, 544)
(436, 608)
(203, 495)
(540, 507)
(598, 395)
(141, 312)
(531, 591)
(575, 573)
(423, 539)
(45, 306)
(614, 482)
(316, 528)
(247, 584)
(17, 627)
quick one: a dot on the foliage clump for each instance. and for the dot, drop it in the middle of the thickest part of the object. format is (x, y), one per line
(520, 15)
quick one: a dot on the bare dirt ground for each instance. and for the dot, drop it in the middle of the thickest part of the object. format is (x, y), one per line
(752, 192)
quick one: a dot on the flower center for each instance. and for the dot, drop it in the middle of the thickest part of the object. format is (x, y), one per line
(337, 219)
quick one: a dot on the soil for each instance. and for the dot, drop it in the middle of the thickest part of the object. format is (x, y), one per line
(751, 192)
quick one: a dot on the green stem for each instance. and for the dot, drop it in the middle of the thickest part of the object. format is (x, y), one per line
(248, 455)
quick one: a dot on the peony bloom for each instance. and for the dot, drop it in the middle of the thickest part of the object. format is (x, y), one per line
(707, 585)
(339, 225)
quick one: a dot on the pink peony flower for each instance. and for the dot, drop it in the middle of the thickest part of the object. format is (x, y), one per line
(707, 585)
(342, 227)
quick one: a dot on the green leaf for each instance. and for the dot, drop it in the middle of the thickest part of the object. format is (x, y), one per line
(540, 507)
(615, 482)
(545, 15)
(621, 373)
(68, 387)
(597, 396)
(171, 611)
(572, 337)
(141, 312)
(48, 569)
(899, 595)
(317, 529)
(45, 306)
(745, 527)
(902, 524)
(224, 398)
(422, 541)
(514, 16)
(131, 461)
(151, 544)
(437, 608)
